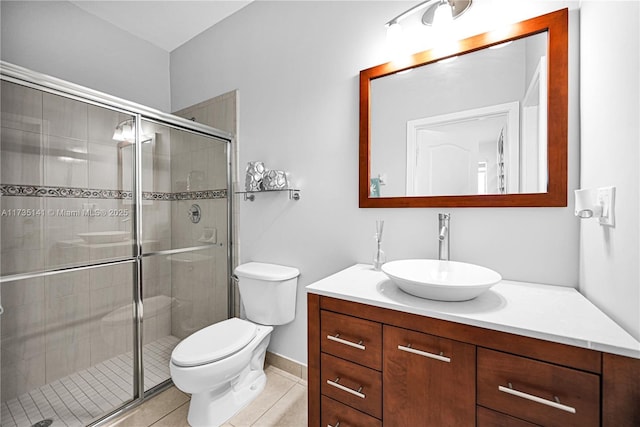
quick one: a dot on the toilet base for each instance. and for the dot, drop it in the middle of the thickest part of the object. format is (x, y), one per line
(215, 407)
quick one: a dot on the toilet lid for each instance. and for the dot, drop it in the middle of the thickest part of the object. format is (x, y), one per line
(266, 272)
(214, 342)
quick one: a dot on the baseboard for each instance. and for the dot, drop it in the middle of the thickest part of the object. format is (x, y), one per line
(287, 365)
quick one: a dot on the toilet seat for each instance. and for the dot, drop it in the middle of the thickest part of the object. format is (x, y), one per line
(214, 342)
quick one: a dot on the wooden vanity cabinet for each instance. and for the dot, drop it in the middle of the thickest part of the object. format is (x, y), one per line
(352, 338)
(428, 380)
(420, 371)
(335, 414)
(620, 390)
(489, 418)
(352, 384)
(350, 369)
(538, 392)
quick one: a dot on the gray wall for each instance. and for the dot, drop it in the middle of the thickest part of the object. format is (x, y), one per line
(296, 67)
(61, 40)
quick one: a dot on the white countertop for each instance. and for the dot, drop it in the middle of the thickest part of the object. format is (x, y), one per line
(552, 313)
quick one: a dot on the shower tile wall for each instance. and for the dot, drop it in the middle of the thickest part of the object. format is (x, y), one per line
(57, 325)
(22, 163)
(156, 232)
(199, 279)
(220, 112)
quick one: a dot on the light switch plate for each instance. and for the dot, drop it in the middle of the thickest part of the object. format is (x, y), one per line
(607, 199)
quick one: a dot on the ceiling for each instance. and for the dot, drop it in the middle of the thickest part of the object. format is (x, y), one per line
(166, 24)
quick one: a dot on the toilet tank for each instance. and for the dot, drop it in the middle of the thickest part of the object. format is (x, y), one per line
(268, 292)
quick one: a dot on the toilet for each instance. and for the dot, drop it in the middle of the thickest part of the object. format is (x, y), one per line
(222, 365)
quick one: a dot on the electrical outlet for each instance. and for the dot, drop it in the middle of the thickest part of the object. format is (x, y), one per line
(606, 199)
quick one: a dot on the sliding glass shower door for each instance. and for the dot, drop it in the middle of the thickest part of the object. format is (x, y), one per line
(184, 239)
(67, 262)
(114, 246)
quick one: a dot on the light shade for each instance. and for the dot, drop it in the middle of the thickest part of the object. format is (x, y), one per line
(125, 131)
(443, 14)
(454, 9)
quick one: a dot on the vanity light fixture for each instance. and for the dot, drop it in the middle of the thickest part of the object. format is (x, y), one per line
(126, 132)
(437, 12)
(596, 203)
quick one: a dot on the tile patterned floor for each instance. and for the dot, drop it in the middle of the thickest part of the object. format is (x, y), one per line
(283, 403)
(79, 398)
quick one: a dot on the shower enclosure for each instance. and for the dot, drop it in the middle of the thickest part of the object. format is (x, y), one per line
(114, 227)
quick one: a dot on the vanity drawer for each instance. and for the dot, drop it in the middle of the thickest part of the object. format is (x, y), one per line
(538, 392)
(352, 384)
(351, 338)
(489, 418)
(334, 413)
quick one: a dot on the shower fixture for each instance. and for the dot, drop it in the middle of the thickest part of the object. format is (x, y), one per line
(437, 12)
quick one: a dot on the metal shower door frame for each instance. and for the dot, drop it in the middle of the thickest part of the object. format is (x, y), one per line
(25, 77)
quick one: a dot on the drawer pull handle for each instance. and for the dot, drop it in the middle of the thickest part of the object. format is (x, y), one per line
(557, 405)
(337, 385)
(439, 357)
(337, 425)
(337, 338)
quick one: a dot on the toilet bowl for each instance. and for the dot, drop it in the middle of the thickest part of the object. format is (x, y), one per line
(222, 365)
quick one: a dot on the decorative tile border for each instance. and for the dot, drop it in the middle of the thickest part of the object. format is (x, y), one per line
(62, 192)
(186, 195)
(205, 194)
(89, 193)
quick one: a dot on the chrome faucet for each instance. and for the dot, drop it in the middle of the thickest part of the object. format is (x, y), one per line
(443, 236)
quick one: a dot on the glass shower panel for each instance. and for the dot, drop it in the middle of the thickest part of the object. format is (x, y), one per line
(64, 202)
(200, 298)
(185, 223)
(67, 266)
(67, 342)
(90, 221)
(21, 172)
(182, 293)
(183, 174)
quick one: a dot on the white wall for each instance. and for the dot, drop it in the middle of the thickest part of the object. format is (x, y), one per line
(61, 40)
(610, 115)
(296, 66)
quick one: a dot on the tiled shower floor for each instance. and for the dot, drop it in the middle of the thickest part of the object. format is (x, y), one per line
(81, 397)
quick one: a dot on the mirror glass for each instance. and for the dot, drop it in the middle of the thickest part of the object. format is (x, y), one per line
(466, 125)
(469, 128)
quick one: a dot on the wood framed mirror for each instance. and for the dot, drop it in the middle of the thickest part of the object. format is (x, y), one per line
(481, 125)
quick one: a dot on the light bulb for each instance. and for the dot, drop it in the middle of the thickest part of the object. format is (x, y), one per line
(396, 43)
(443, 15)
(128, 132)
(117, 135)
(394, 34)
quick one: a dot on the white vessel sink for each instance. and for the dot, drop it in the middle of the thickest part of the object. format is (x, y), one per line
(441, 280)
